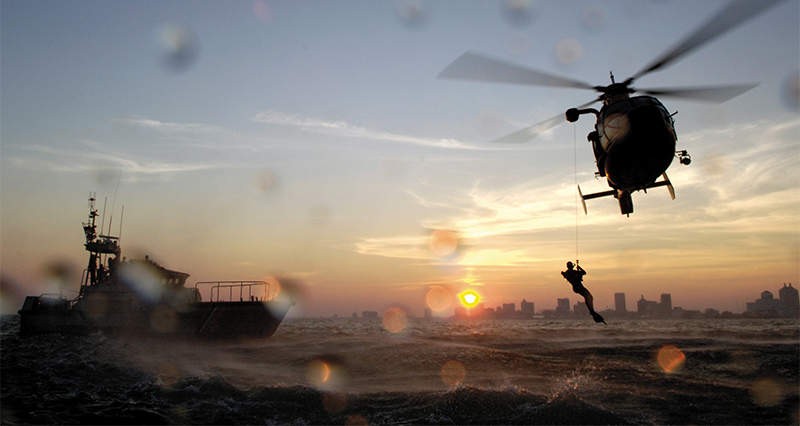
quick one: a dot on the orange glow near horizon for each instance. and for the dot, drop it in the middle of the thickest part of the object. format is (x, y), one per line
(470, 298)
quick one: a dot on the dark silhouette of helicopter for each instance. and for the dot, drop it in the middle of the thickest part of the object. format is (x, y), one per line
(634, 137)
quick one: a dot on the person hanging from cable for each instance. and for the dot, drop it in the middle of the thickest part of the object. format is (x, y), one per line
(575, 277)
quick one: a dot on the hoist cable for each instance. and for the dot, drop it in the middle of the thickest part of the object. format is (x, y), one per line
(575, 160)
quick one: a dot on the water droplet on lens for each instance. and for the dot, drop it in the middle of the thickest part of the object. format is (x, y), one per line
(411, 15)
(453, 373)
(568, 51)
(263, 11)
(177, 47)
(791, 92)
(519, 12)
(395, 320)
(438, 298)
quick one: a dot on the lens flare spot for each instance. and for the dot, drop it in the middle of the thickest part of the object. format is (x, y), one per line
(177, 47)
(263, 11)
(96, 305)
(438, 298)
(143, 278)
(266, 182)
(767, 392)
(443, 243)
(470, 298)
(395, 320)
(593, 18)
(164, 320)
(283, 293)
(670, 359)
(356, 420)
(411, 14)
(325, 373)
(59, 275)
(790, 92)
(568, 51)
(453, 373)
(519, 12)
(318, 373)
(167, 375)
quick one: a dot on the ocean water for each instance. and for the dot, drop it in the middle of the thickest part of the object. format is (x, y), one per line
(347, 371)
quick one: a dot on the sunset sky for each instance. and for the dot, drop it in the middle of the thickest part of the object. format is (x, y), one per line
(314, 141)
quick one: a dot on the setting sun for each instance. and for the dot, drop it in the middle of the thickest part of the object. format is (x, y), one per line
(469, 298)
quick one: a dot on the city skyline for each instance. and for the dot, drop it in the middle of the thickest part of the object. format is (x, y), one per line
(656, 308)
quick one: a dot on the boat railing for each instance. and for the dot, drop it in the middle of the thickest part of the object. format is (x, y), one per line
(244, 290)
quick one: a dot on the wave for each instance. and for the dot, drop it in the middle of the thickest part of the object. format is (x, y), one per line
(338, 374)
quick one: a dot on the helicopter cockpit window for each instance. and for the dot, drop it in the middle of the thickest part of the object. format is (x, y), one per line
(614, 126)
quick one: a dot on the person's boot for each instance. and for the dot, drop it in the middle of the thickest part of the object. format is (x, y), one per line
(598, 318)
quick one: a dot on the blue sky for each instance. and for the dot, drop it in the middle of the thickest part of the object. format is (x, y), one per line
(313, 140)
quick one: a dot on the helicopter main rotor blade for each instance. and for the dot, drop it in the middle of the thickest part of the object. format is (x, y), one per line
(734, 14)
(474, 66)
(528, 133)
(717, 94)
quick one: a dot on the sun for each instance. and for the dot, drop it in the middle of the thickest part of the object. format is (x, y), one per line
(469, 298)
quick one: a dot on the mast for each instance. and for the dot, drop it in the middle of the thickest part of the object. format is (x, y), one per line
(97, 245)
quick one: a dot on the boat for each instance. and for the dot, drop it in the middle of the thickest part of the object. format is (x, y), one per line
(122, 297)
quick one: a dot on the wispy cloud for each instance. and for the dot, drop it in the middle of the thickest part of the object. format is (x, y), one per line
(174, 128)
(344, 129)
(95, 160)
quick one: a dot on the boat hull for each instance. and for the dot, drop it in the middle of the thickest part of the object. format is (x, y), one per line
(214, 320)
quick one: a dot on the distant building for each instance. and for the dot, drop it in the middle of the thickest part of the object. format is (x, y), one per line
(646, 308)
(790, 298)
(562, 309)
(428, 313)
(666, 304)
(619, 303)
(581, 310)
(767, 305)
(526, 309)
(369, 315)
(460, 312)
(506, 311)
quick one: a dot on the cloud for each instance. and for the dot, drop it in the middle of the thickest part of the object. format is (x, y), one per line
(752, 199)
(343, 129)
(94, 160)
(174, 128)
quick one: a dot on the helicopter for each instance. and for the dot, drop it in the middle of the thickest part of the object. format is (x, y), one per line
(634, 139)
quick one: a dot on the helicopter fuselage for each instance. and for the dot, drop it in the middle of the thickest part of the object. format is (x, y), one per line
(634, 142)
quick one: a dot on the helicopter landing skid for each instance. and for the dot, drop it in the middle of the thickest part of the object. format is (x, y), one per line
(624, 197)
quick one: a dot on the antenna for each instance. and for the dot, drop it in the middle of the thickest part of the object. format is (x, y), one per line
(114, 203)
(103, 223)
(121, 216)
